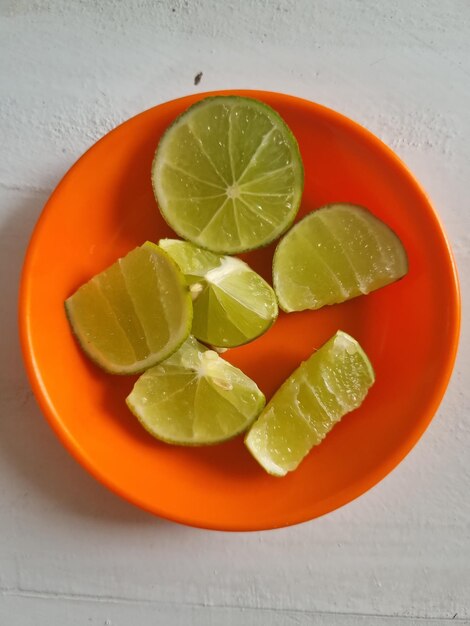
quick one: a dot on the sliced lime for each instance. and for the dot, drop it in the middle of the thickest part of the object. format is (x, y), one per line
(232, 304)
(133, 314)
(228, 174)
(331, 383)
(333, 254)
(195, 397)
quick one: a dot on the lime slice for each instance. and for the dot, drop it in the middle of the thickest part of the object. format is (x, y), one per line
(133, 314)
(228, 174)
(232, 304)
(195, 397)
(331, 383)
(333, 254)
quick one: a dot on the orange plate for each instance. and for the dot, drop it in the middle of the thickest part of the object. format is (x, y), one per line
(104, 207)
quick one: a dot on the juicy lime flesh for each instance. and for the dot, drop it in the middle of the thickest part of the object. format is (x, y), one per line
(331, 383)
(336, 253)
(133, 314)
(232, 304)
(195, 397)
(228, 174)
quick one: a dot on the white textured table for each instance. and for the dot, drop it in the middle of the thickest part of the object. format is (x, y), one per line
(70, 552)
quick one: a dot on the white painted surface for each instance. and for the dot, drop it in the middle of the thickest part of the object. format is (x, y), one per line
(70, 552)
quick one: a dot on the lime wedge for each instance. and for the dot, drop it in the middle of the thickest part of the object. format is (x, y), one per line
(133, 314)
(333, 254)
(228, 174)
(232, 304)
(195, 397)
(331, 383)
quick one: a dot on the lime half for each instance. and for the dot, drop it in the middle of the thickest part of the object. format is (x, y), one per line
(195, 397)
(228, 174)
(133, 314)
(232, 304)
(333, 254)
(331, 383)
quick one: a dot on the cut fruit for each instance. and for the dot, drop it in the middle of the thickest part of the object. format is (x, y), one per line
(195, 397)
(333, 254)
(232, 304)
(332, 382)
(134, 314)
(228, 175)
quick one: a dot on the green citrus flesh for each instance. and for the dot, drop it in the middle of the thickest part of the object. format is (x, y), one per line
(232, 304)
(228, 175)
(134, 314)
(195, 398)
(331, 383)
(333, 254)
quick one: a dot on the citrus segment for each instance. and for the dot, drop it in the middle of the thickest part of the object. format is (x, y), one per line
(232, 303)
(133, 314)
(332, 382)
(333, 254)
(195, 397)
